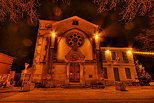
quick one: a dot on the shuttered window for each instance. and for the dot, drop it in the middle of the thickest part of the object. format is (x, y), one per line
(103, 56)
(124, 55)
(113, 55)
(105, 73)
(75, 22)
(116, 74)
(128, 74)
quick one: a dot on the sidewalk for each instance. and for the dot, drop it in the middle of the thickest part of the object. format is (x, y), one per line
(6, 92)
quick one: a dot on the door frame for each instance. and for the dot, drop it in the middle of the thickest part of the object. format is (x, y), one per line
(74, 67)
(81, 73)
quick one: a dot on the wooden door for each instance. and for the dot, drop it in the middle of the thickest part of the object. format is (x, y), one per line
(74, 72)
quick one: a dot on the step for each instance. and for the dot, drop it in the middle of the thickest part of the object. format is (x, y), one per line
(74, 86)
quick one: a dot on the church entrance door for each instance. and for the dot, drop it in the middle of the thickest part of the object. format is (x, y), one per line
(74, 72)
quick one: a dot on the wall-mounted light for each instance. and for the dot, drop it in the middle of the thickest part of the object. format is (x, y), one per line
(53, 34)
(129, 51)
(96, 36)
(107, 51)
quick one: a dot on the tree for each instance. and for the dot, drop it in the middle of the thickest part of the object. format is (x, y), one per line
(17, 9)
(129, 9)
(146, 39)
(143, 76)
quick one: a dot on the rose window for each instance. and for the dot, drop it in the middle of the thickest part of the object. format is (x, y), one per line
(75, 39)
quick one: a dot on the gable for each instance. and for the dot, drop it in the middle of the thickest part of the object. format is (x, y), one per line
(67, 24)
(75, 18)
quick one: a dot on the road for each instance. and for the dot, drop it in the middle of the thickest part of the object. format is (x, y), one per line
(86, 95)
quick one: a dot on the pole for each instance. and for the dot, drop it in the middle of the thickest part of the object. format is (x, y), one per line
(24, 71)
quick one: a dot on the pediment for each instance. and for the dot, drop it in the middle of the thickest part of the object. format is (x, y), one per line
(75, 18)
(67, 24)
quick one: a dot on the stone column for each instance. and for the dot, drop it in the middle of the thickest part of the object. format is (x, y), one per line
(51, 53)
(99, 60)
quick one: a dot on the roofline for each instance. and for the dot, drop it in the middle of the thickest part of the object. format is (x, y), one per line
(7, 55)
(121, 48)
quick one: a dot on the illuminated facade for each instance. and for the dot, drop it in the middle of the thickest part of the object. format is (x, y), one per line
(68, 52)
(118, 65)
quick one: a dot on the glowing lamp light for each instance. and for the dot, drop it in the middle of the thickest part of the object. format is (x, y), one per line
(129, 51)
(96, 36)
(144, 53)
(53, 34)
(107, 51)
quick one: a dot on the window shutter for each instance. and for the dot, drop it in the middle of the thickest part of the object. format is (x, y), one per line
(128, 74)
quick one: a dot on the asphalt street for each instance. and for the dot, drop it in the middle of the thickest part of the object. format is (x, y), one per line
(80, 95)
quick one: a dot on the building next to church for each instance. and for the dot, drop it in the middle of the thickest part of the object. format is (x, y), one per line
(6, 75)
(68, 52)
(5, 63)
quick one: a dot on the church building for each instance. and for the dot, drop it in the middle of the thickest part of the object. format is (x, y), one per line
(69, 52)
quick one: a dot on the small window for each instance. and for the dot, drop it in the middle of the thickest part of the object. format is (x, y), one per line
(90, 76)
(46, 47)
(128, 74)
(105, 73)
(75, 22)
(124, 55)
(44, 58)
(113, 55)
(103, 56)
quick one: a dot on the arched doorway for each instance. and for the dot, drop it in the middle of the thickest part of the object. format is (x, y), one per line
(74, 72)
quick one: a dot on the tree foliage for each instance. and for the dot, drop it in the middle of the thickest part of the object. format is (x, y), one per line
(17, 9)
(129, 8)
(143, 76)
(146, 39)
(14, 10)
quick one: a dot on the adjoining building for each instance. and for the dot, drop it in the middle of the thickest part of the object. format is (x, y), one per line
(118, 65)
(5, 63)
(68, 52)
(6, 75)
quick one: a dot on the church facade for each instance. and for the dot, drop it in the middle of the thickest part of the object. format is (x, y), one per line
(68, 52)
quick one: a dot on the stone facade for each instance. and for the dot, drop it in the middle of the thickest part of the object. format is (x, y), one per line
(67, 53)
